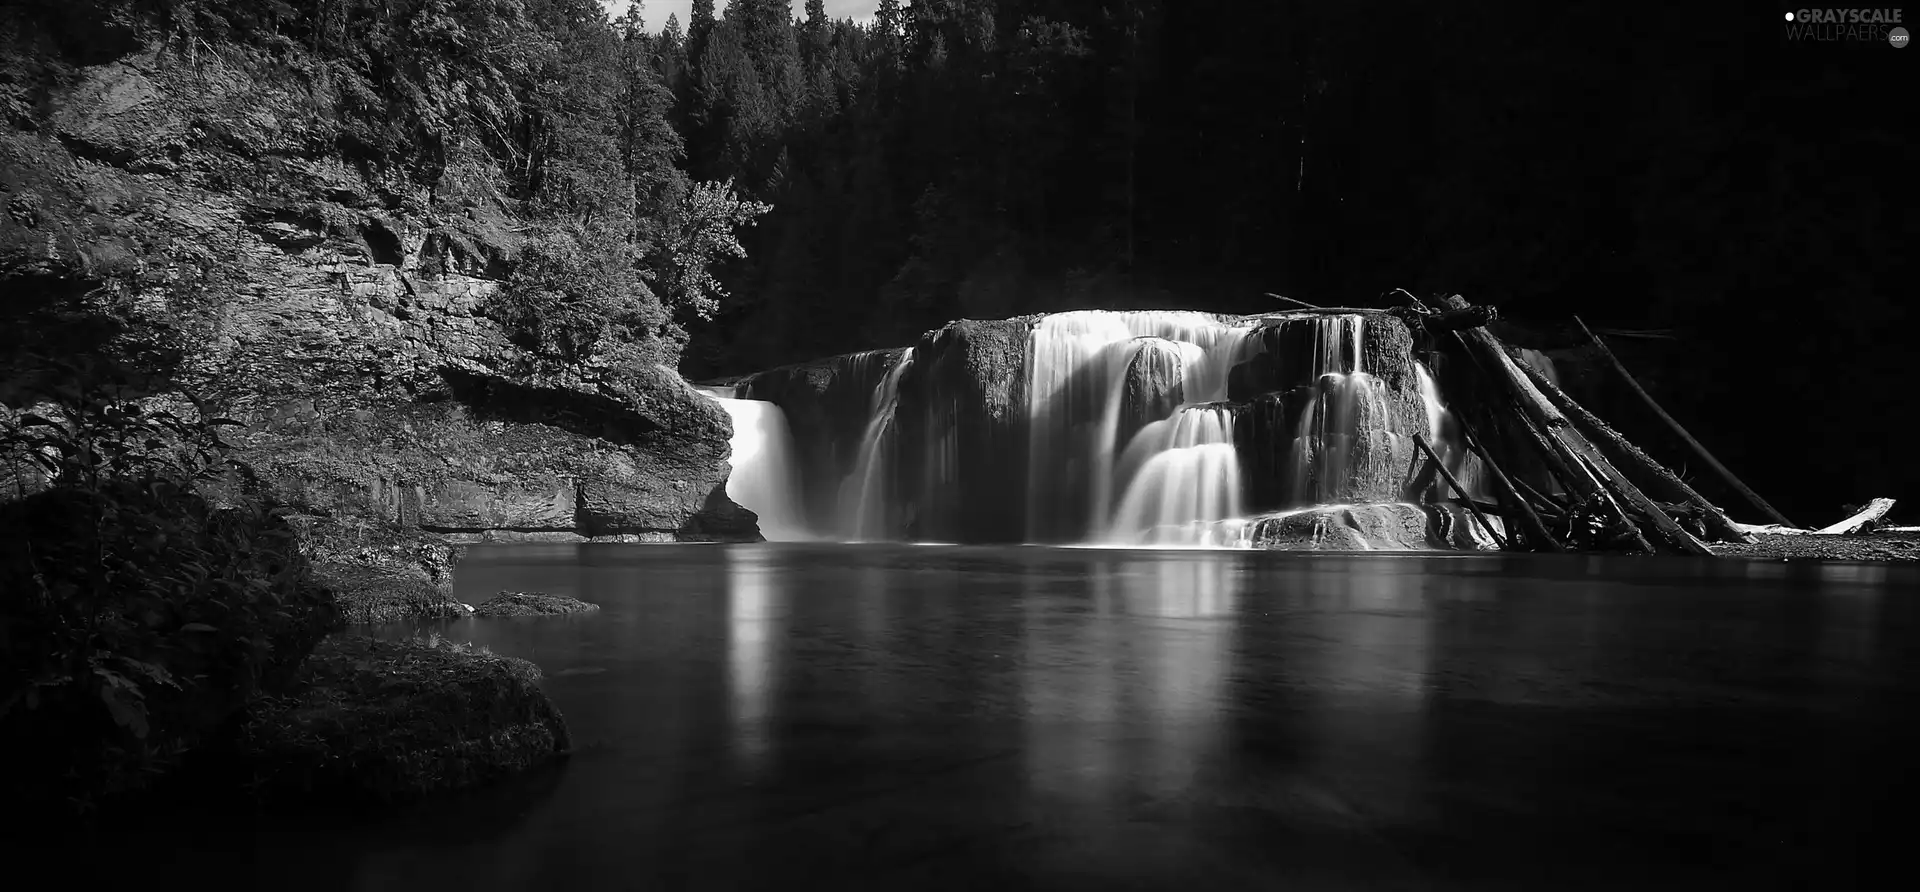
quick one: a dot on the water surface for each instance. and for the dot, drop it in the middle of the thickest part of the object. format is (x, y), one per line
(899, 717)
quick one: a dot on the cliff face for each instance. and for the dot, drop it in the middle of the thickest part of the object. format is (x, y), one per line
(197, 217)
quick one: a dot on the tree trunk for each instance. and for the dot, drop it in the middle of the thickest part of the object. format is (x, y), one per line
(1593, 478)
(1461, 491)
(1532, 527)
(1701, 450)
(1645, 472)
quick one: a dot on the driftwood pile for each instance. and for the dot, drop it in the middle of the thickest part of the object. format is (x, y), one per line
(1615, 497)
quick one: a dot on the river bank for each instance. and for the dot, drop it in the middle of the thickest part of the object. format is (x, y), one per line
(1878, 546)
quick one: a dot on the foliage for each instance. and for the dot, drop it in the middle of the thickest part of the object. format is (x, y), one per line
(569, 299)
(698, 228)
(138, 612)
(563, 115)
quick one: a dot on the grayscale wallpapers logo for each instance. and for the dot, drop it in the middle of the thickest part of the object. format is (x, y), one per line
(1847, 26)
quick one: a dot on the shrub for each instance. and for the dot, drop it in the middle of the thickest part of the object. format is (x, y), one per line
(136, 614)
(571, 298)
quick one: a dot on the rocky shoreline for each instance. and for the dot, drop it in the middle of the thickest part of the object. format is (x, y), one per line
(1877, 546)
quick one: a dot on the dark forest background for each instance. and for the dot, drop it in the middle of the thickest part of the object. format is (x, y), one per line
(1688, 169)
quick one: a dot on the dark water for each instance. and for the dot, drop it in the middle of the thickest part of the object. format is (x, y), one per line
(928, 717)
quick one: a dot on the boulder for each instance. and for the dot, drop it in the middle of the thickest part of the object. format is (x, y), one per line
(380, 721)
(1365, 527)
(531, 604)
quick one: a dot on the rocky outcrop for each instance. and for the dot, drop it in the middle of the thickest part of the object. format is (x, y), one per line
(381, 721)
(1382, 527)
(531, 604)
(199, 222)
(962, 423)
(1301, 397)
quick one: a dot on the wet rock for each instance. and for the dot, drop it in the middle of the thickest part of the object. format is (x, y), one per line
(1370, 527)
(962, 420)
(828, 403)
(1155, 382)
(372, 595)
(531, 604)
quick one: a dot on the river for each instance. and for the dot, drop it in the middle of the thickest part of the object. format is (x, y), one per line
(909, 717)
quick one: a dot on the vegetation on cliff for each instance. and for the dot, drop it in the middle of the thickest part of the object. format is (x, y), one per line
(536, 107)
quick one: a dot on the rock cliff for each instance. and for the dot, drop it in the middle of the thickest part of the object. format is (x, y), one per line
(198, 218)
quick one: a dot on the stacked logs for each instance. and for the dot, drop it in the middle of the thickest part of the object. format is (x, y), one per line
(1615, 496)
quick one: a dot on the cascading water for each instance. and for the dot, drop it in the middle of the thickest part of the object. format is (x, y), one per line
(1181, 477)
(1444, 435)
(1080, 367)
(865, 496)
(1162, 428)
(765, 478)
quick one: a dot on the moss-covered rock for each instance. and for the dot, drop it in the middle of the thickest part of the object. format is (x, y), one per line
(531, 604)
(374, 720)
(383, 595)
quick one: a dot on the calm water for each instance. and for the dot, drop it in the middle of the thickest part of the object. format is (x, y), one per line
(892, 717)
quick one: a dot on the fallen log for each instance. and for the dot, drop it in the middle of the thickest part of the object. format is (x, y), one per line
(1460, 491)
(1875, 510)
(1595, 481)
(1532, 528)
(1459, 320)
(1419, 478)
(1706, 456)
(1860, 521)
(1643, 470)
(1298, 303)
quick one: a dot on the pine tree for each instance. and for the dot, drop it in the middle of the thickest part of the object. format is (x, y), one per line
(699, 27)
(816, 33)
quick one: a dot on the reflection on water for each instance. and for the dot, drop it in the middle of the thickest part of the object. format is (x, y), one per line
(1124, 702)
(756, 606)
(902, 717)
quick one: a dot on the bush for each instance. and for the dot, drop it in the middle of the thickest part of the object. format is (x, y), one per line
(571, 300)
(136, 614)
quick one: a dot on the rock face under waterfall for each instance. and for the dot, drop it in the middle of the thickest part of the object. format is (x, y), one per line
(828, 403)
(962, 415)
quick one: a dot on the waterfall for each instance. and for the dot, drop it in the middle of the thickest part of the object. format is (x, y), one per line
(1181, 477)
(1449, 443)
(765, 477)
(1120, 428)
(865, 495)
(1079, 368)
